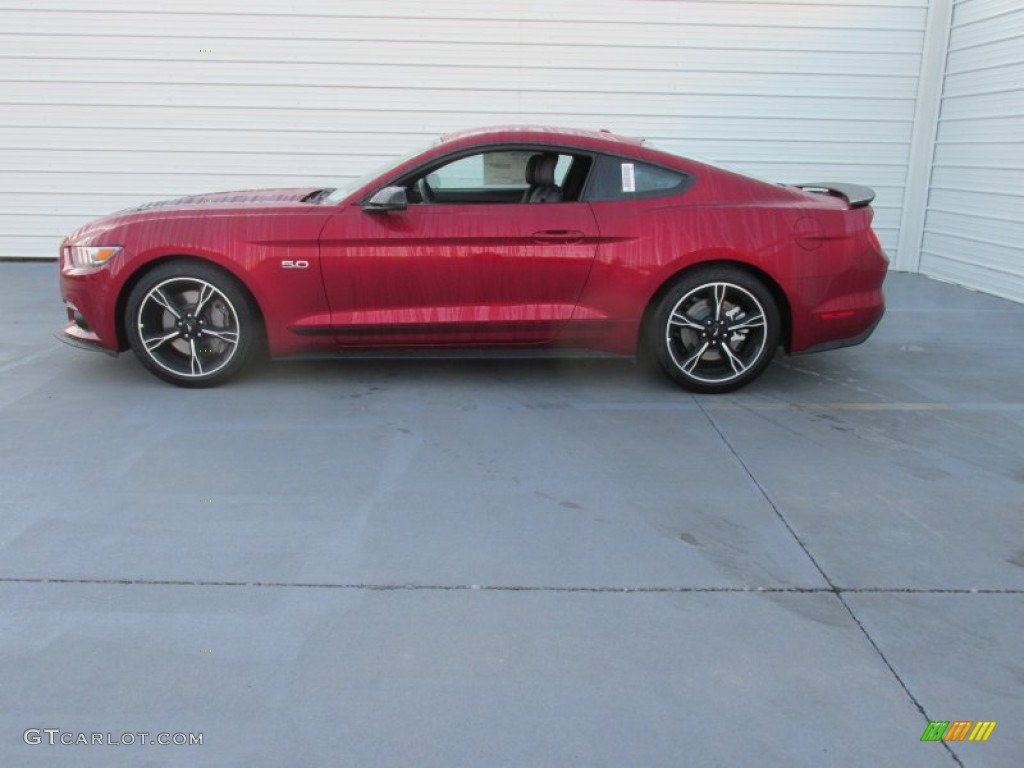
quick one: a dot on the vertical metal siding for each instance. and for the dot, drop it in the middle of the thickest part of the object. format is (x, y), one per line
(974, 226)
(109, 103)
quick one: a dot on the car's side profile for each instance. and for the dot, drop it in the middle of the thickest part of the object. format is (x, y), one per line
(507, 238)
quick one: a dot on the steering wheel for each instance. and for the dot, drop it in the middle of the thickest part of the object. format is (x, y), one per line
(425, 192)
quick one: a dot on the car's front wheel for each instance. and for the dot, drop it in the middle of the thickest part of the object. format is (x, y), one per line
(715, 330)
(190, 324)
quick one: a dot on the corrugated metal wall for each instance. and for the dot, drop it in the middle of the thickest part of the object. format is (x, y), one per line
(108, 103)
(974, 228)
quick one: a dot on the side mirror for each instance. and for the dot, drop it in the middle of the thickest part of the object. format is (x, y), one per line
(387, 199)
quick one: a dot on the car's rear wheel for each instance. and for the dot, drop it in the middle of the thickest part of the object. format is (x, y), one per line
(190, 324)
(714, 330)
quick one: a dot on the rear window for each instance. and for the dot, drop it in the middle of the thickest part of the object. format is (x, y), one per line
(623, 178)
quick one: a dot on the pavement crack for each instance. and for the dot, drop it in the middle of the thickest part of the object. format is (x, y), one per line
(833, 588)
(399, 586)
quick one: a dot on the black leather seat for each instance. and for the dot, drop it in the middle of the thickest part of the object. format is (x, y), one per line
(540, 175)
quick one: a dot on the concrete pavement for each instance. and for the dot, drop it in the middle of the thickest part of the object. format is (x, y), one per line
(481, 563)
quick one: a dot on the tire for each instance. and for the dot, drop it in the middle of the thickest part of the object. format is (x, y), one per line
(191, 324)
(715, 330)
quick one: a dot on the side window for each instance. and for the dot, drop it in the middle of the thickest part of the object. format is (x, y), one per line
(622, 178)
(487, 171)
(501, 176)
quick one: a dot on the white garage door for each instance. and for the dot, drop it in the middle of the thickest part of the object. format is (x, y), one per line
(974, 229)
(110, 103)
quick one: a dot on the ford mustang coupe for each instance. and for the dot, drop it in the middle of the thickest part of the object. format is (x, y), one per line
(513, 238)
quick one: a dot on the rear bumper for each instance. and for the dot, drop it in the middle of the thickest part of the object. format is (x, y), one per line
(850, 341)
(842, 321)
(843, 307)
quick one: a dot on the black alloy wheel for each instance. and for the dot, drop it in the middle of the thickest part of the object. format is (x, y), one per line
(715, 330)
(190, 324)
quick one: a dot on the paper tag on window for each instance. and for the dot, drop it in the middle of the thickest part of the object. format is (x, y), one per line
(628, 178)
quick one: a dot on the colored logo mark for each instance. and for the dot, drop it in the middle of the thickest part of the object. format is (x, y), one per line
(958, 730)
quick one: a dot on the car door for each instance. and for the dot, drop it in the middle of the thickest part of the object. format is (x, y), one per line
(461, 269)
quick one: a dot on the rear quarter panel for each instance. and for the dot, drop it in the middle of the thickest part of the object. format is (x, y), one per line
(644, 244)
(815, 249)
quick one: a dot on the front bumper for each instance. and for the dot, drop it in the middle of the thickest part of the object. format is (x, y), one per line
(76, 337)
(89, 297)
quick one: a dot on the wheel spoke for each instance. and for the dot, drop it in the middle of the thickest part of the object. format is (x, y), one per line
(231, 337)
(678, 318)
(158, 296)
(719, 291)
(757, 321)
(156, 341)
(206, 292)
(689, 364)
(196, 364)
(737, 365)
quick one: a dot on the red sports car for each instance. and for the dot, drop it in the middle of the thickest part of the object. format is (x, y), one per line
(521, 238)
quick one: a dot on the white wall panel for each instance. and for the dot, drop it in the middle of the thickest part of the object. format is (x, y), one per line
(108, 103)
(974, 225)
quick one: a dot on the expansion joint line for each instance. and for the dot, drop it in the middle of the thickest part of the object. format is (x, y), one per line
(838, 592)
(617, 589)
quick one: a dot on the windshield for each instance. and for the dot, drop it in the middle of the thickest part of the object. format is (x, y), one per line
(347, 188)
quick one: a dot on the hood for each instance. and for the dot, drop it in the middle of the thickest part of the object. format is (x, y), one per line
(289, 195)
(96, 230)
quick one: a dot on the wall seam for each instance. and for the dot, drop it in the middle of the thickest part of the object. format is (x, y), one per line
(931, 84)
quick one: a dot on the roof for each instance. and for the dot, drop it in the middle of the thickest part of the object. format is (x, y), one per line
(540, 133)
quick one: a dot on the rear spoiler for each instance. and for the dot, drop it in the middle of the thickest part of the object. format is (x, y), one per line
(855, 195)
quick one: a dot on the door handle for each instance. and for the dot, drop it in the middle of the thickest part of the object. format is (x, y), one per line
(566, 236)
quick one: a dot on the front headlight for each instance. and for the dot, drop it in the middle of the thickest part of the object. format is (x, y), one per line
(89, 255)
